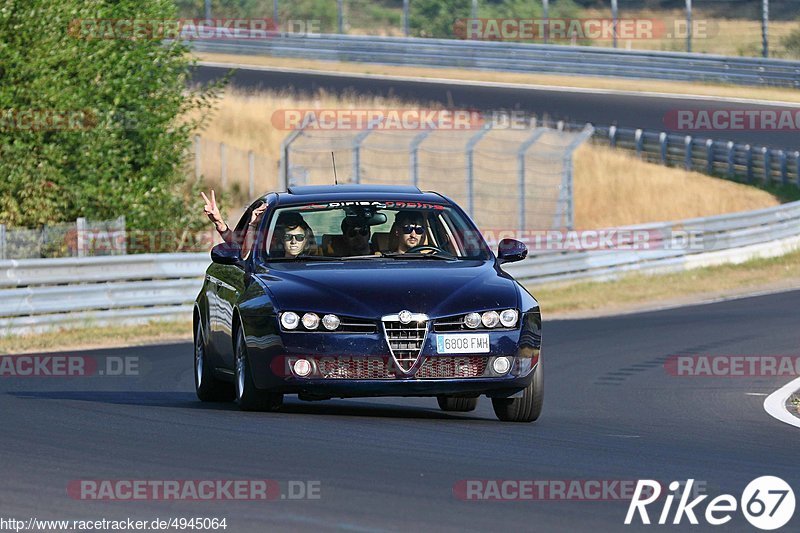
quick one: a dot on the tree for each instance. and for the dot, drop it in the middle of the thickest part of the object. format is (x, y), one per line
(91, 117)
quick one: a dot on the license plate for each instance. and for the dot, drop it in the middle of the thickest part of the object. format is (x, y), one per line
(463, 343)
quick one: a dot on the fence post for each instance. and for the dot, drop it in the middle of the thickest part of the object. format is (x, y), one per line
(639, 139)
(560, 125)
(612, 136)
(251, 173)
(766, 156)
(687, 141)
(197, 168)
(709, 156)
(538, 132)
(749, 162)
(731, 166)
(80, 226)
(357, 149)
(2, 241)
(414, 155)
(223, 165)
(283, 171)
(470, 167)
(405, 18)
(784, 177)
(662, 141)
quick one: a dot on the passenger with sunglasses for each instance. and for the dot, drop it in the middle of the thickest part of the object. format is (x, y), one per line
(356, 233)
(294, 235)
(408, 231)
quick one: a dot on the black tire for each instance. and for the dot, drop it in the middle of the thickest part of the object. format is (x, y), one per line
(528, 407)
(248, 396)
(206, 385)
(450, 403)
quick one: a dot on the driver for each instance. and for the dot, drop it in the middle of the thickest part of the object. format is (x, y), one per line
(408, 231)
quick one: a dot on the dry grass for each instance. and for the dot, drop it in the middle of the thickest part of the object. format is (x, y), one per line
(85, 338)
(589, 82)
(611, 187)
(614, 188)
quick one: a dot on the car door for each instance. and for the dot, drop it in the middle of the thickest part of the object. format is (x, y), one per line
(229, 281)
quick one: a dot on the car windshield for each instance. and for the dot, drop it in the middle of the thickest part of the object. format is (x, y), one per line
(371, 230)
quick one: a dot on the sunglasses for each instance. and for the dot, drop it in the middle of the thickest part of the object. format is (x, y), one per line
(362, 230)
(288, 237)
(408, 228)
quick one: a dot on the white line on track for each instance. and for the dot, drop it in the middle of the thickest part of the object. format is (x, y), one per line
(473, 83)
(775, 404)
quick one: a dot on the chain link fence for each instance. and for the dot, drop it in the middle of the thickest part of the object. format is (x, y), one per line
(514, 179)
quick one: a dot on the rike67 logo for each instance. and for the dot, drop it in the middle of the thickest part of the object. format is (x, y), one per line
(767, 503)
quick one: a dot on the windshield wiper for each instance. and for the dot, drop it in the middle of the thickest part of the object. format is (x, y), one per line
(399, 255)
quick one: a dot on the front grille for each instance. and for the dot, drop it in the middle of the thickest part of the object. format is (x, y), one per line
(405, 341)
(453, 367)
(442, 367)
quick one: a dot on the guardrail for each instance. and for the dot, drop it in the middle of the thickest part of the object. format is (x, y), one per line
(723, 158)
(37, 294)
(518, 57)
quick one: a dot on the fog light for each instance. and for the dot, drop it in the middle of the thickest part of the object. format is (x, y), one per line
(490, 319)
(509, 318)
(310, 321)
(501, 365)
(331, 322)
(302, 367)
(290, 320)
(472, 320)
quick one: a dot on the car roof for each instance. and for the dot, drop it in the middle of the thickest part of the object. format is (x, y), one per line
(353, 192)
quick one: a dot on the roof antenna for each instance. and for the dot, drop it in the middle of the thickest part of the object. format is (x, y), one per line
(335, 179)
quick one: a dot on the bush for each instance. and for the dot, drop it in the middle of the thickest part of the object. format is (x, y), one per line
(124, 153)
(792, 43)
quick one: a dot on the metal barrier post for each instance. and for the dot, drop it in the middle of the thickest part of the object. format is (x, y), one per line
(80, 226)
(731, 165)
(797, 167)
(687, 158)
(709, 156)
(2, 241)
(749, 162)
(639, 139)
(612, 136)
(538, 132)
(662, 140)
(470, 167)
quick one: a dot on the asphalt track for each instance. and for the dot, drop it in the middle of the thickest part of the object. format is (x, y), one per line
(611, 412)
(625, 110)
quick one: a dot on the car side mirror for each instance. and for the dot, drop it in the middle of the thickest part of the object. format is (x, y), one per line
(226, 254)
(511, 250)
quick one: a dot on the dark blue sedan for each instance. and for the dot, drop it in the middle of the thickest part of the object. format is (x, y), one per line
(357, 291)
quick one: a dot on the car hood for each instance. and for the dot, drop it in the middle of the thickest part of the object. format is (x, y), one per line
(374, 288)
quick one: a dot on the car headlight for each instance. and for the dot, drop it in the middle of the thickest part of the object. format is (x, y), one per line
(509, 318)
(490, 319)
(331, 322)
(310, 321)
(290, 320)
(472, 320)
